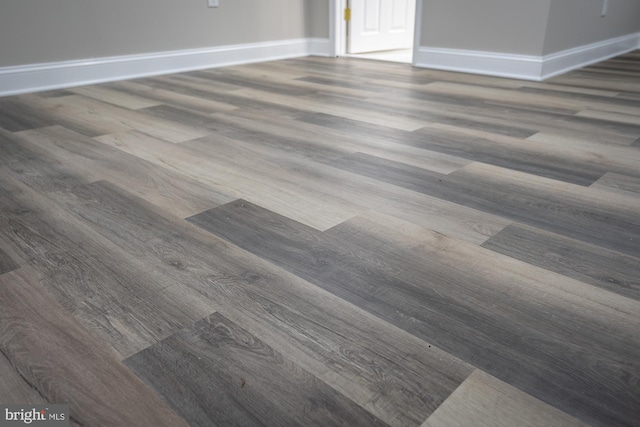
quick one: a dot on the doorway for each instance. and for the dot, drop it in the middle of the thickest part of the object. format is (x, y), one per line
(375, 29)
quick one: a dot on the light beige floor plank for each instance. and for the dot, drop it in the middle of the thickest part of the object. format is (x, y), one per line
(110, 119)
(485, 401)
(626, 185)
(162, 96)
(224, 177)
(95, 161)
(309, 104)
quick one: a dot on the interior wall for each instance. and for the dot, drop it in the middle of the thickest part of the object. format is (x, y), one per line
(503, 26)
(574, 23)
(35, 31)
(318, 19)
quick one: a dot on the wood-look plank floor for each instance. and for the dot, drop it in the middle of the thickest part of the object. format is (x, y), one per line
(324, 241)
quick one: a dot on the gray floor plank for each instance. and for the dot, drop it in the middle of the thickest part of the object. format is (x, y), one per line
(209, 271)
(429, 296)
(7, 264)
(588, 263)
(109, 293)
(218, 374)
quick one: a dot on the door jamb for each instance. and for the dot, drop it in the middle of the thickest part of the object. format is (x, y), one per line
(338, 28)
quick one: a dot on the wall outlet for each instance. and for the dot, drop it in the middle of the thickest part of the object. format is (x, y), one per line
(213, 3)
(605, 8)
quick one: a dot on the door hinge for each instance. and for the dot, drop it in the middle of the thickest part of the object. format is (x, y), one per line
(347, 14)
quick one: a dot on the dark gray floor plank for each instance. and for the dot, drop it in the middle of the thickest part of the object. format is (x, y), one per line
(403, 388)
(16, 115)
(515, 342)
(6, 263)
(218, 374)
(27, 166)
(609, 226)
(55, 355)
(588, 263)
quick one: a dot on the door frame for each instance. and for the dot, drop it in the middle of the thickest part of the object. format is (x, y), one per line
(338, 28)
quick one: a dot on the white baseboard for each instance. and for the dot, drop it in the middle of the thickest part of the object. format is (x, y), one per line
(524, 67)
(562, 62)
(477, 62)
(58, 75)
(319, 47)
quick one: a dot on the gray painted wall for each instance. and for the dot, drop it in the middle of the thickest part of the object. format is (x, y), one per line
(505, 26)
(574, 23)
(318, 18)
(36, 31)
(526, 27)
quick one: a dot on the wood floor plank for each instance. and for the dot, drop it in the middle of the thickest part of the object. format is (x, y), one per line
(216, 171)
(370, 189)
(17, 115)
(288, 134)
(529, 98)
(521, 198)
(507, 115)
(340, 196)
(566, 305)
(619, 117)
(601, 157)
(582, 80)
(66, 364)
(102, 118)
(561, 90)
(602, 97)
(105, 94)
(210, 89)
(6, 263)
(110, 293)
(14, 388)
(94, 161)
(475, 145)
(618, 183)
(163, 96)
(582, 261)
(311, 104)
(263, 85)
(485, 401)
(395, 376)
(63, 112)
(217, 373)
(26, 166)
(378, 276)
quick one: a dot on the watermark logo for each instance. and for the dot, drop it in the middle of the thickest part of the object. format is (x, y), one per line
(34, 415)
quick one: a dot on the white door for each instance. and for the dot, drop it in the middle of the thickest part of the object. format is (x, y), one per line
(380, 25)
